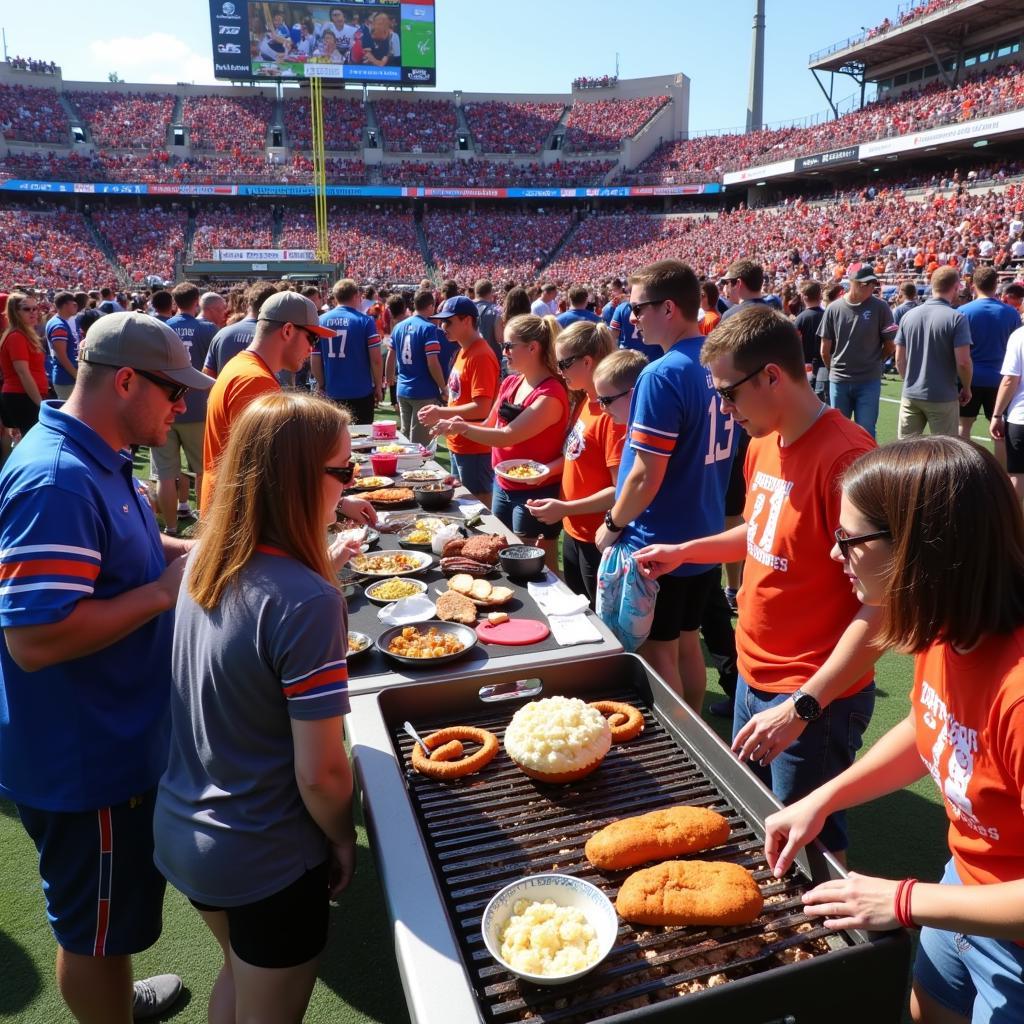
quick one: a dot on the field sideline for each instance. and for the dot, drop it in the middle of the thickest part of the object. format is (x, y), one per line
(903, 834)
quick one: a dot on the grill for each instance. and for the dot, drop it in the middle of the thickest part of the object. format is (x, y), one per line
(481, 832)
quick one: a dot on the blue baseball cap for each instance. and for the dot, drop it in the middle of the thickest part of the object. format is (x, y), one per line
(458, 306)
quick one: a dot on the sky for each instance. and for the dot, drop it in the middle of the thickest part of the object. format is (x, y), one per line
(482, 45)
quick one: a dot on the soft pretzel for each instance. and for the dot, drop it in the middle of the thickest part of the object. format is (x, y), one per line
(626, 721)
(448, 759)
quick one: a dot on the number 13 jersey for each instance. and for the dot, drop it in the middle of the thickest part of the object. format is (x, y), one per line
(675, 414)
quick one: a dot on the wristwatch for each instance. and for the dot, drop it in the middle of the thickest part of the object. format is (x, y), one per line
(807, 707)
(610, 523)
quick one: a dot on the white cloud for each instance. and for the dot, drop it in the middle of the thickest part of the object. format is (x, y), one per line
(157, 57)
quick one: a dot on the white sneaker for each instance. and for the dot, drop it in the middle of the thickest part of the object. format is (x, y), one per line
(155, 995)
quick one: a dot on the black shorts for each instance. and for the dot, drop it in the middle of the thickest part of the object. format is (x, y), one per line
(580, 562)
(736, 492)
(361, 409)
(283, 930)
(981, 398)
(1014, 448)
(680, 604)
(18, 411)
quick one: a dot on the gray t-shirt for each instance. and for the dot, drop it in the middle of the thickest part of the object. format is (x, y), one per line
(857, 333)
(230, 825)
(930, 333)
(228, 342)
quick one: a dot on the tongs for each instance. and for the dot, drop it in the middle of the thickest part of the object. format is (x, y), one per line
(410, 731)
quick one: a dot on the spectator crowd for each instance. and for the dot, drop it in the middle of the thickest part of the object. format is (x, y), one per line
(427, 126)
(500, 127)
(125, 120)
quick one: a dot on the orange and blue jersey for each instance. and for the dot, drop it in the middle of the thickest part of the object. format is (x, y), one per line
(675, 414)
(59, 329)
(413, 340)
(627, 336)
(75, 525)
(346, 356)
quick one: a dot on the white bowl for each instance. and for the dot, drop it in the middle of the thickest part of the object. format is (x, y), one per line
(566, 891)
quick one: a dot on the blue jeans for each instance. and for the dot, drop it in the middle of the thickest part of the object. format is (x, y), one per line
(474, 471)
(822, 751)
(857, 401)
(510, 508)
(979, 978)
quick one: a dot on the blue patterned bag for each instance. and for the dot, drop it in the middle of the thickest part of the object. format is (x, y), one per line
(625, 597)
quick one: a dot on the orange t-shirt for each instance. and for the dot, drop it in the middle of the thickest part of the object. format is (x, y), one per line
(711, 320)
(593, 451)
(795, 601)
(243, 379)
(969, 723)
(474, 374)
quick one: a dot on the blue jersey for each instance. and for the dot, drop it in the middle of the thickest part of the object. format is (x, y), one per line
(59, 329)
(74, 525)
(675, 414)
(196, 336)
(608, 312)
(992, 322)
(572, 316)
(413, 340)
(627, 336)
(346, 356)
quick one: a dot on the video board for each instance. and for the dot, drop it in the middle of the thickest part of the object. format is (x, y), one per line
(375, 41)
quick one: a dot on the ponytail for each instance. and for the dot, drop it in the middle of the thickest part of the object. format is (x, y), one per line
(528, 327)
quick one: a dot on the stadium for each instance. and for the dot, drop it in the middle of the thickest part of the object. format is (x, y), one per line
(326, 156)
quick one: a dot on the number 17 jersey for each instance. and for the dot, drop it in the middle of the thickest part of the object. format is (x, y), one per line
(346, 356)
(675, 414)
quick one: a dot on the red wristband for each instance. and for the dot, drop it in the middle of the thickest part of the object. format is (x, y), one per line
(908, 917)
(897, 903)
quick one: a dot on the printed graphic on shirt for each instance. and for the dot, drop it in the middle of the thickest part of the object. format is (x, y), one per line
(455, 386)
(575, 443)
(770, 496)
(952, 760)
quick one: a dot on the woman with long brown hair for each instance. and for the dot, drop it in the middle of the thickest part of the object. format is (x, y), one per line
(22, 364)
(528, 421)
(253, 821)
(931, 532)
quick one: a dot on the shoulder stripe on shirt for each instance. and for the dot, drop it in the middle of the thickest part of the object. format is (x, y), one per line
(22, 587)
(49, 567)
(322, 680)
(655, 430)
(58, 549)
(651, 442)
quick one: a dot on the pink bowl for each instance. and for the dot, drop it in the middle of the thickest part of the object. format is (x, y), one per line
(384, 464)
(384, 429)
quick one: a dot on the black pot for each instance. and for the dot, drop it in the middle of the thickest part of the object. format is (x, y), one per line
(522, 561)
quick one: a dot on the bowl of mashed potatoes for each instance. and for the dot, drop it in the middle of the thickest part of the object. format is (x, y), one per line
(549, 929)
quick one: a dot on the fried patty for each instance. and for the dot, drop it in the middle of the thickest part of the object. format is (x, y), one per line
(668, 832)
(455, 607)
(690, 892)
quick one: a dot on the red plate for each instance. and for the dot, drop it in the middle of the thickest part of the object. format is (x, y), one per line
(514, 633)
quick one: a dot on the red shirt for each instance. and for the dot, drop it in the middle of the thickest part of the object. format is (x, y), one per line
(543, 447)
(593, 451)
(16, 348)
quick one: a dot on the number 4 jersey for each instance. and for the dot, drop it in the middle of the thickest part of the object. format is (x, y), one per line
(675, 414)
(795, 601)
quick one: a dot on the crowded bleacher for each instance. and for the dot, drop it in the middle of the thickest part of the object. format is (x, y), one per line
(599, 126)
(495, 174)
(248, 225)
(125, 120)
(28, 114)
(344, 121)
(227, 123)
(50, 248)
(145, 242)
(427, 126)
(503, 127)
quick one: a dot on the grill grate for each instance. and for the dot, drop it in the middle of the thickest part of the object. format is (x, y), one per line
(486, 830)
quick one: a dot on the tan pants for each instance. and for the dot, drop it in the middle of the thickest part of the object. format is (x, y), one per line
(939, 417)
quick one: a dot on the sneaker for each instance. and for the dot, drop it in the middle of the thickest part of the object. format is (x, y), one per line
(730, 597)
(185, 512)
(721, 708)
(153, 996)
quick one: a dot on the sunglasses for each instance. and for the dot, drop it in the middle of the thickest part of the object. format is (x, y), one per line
(314, 339)
(175, 392)
(727, 394)
(606, 400)
(636, 308)
(844, 541)
(27, 309)
(729, 280)
(342, 473)
(506, 346)
(564, 364)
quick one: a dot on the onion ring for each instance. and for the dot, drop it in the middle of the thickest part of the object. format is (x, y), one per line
(448, 759)
(625, 721)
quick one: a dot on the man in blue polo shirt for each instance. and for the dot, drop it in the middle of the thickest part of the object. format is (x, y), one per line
(87, 589)
(577, 311)
(421, 375)
(349, 367)
(991, 322)
(62, 340)
(675, 468)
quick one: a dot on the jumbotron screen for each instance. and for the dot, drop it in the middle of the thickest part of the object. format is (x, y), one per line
(291, 40)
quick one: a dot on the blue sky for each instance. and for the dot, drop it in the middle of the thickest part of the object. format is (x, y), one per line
(522, 46)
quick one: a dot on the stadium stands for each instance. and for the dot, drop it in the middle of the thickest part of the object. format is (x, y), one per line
(227, 123)
(28, 114)
(50, 248)
(424, 127)
(500, 127)
(246, 225)
(344, 121)
(495, 174)
(145, 241)
(130, 120)
(599, 126)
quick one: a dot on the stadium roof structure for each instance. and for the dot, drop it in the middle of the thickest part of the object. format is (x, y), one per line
(942, 32)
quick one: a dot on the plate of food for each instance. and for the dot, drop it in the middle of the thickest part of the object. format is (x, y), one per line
(395, 448)
(425, 476)
(521, 471)
(391, 563)
(414, 537)
(364, 444)
(366, 535)
(393, 589)
(391, 497)
(428, 644)
(481, 592)
(370, 483)
(358, 643)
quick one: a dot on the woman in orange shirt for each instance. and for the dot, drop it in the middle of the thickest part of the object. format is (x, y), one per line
(589, 464)
(949, 580)
(22, 364)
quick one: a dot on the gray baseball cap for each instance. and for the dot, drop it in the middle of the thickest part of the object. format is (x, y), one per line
(293, 308)
(142, 343)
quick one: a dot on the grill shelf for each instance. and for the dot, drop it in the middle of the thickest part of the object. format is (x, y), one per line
(486, 830)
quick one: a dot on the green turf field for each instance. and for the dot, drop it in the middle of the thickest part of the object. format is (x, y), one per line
(901, 835)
